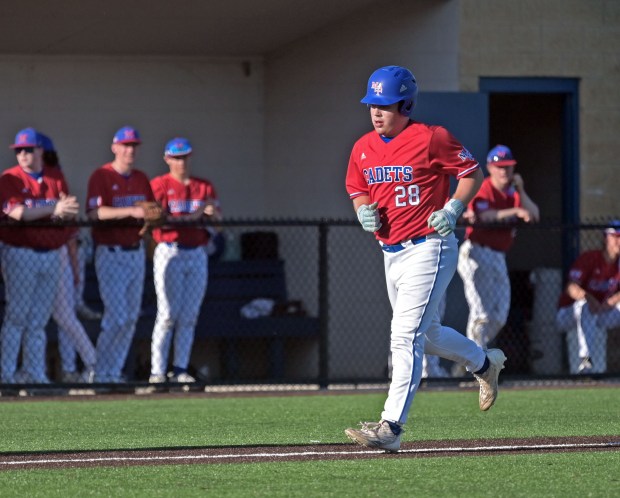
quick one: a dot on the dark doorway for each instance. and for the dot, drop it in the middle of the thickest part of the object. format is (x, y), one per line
(538, 119)
(531, 125)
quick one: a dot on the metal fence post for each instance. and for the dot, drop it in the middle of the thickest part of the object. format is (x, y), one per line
(323, 305)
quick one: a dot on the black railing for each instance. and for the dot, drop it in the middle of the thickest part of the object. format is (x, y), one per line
(287, 302)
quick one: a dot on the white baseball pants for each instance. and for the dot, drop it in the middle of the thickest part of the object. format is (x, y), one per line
(586, 334)
(180, 283)
(121, 281)
(31, 282)
(417, 278)
(487, 290)
(72, 336)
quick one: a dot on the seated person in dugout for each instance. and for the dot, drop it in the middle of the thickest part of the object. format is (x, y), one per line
(590, 304)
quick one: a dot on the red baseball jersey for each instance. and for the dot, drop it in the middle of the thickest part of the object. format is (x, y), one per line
(107, 187)
(19, 188)
(595, 275)
(409, 176)
(179, 199)
(488, 197)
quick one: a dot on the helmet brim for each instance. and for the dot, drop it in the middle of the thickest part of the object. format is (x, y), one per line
(379, 100)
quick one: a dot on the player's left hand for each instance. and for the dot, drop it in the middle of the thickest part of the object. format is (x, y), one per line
(444, 220)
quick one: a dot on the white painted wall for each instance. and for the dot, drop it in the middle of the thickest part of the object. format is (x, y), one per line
(81, 101)
(313, 89)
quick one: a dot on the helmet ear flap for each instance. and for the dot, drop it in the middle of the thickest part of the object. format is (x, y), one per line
(405, 107)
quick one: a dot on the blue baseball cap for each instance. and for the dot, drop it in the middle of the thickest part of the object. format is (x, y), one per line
(46, 143)
(28, 137)
(500, 155)
(613, 228)
(127, 135)
(178, 147)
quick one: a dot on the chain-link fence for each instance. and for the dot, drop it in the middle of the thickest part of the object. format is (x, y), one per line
(275, 302)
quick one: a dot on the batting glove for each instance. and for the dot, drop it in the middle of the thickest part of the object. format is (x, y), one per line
(369, 217)
(444, 220)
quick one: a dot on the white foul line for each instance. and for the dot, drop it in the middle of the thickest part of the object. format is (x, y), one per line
(457, 449)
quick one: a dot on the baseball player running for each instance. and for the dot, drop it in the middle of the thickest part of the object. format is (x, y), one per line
(398, 179)
(113, 190)
(590, 304)
(180, 265)
(482, 256)
(31, 258)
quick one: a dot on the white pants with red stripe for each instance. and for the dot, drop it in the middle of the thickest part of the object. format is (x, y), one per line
(417, 278)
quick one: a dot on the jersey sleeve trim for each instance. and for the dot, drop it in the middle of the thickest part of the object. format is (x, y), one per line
(468, 170)
(357, 194)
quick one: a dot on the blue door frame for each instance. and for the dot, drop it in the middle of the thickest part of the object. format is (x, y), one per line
(569, 87)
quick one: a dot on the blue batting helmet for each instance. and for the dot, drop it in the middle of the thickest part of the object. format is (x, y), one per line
(391, 84)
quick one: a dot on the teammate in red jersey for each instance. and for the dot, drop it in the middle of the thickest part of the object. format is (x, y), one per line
(590, 304)
(482, 256)
(180, 263)
(31, 258)
(398, 180)
(113, 190)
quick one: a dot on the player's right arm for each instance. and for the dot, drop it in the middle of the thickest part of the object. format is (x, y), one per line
(359, 201)
(367, 214)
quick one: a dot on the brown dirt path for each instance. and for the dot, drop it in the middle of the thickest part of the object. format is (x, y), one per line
(259, 454)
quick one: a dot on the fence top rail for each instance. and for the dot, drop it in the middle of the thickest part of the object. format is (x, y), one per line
(282, 222)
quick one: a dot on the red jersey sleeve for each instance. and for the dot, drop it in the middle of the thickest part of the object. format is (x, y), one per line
(158, 189)
(356, 184)
(448, 155)
(96, 195)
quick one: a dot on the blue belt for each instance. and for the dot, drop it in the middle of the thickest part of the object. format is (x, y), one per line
(123, 248)
(180, 246)
(404, 244)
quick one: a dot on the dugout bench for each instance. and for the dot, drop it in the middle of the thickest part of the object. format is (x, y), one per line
(231, 285)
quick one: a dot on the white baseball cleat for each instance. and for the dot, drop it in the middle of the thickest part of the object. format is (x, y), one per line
(182, 378)
(488, 380)
(375, 435)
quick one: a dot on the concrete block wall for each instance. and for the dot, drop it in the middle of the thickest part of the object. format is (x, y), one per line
(556, 38)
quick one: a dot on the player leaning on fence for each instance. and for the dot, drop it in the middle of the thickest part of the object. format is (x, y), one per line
(180, 263)
(31, 258)
(114, 189)
(398, 180)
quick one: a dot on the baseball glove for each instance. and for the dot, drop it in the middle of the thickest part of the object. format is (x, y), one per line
(154, 216)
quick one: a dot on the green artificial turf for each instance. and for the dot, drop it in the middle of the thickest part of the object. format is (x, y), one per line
(139, 423)
(180, 422)
(545, 475)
